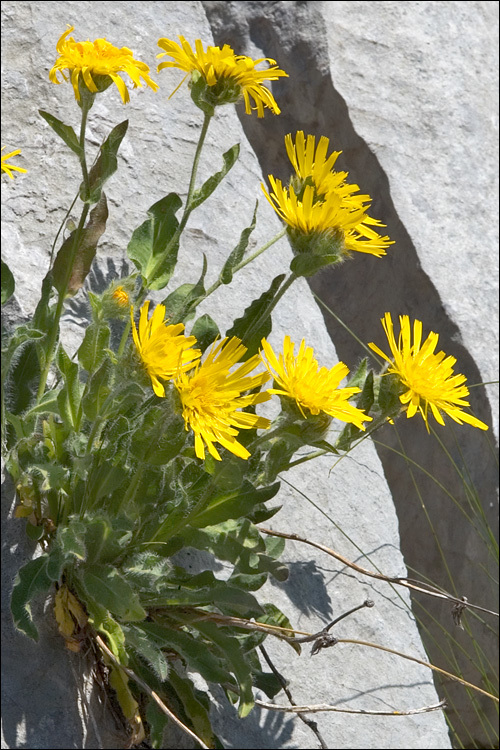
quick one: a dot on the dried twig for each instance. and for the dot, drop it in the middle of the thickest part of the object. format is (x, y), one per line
(326, 707)
(308, 722)
(322, 640)
(419, 661)
(409, 583)
(150, 692)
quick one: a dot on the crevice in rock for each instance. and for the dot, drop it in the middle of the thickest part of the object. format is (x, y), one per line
(360, 292)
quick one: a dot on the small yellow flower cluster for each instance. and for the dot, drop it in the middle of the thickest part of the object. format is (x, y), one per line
(319, 201)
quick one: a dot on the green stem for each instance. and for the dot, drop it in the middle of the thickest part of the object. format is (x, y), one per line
(245, 262)
(74, 249)
(187, 208)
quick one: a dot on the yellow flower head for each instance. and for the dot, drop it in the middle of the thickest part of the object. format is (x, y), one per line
(164, 350)
(312, 164)
(312, 388)
(332, 214)
(229, 76)
(320, 204)
(120, 296)
(428, 376)
(9, 168)
(212, 398)
(99, 58)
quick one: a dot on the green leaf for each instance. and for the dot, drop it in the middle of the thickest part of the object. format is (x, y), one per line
(31, 579)
(92, 349)
(226, 275)
(85, 253)
(199, 659)
(231, 651)
(182, 302)
(158, 438)
(205, 330)
(307, 264)
(209, 186)
(106, 164)
(255, 323)
(233, 504)
(68, 548)
(364, 401)
(21, 336)
(152, 248)
(358, 378)
(196, 705)
(275, 616)
(157, 722)
(70, 395)
(147, 648)
(47, 404)
(105, 584)
(65, 132)
(97, 389)
(8, 283)
(146, 570)
(71, 540)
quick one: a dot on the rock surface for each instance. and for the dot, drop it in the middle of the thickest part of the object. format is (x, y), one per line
(335, 53)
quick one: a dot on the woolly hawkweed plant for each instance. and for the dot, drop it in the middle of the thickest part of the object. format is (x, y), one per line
(132, 452)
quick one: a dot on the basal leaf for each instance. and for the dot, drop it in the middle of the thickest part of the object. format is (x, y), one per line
(105, 584)
(231, 652)
(31, 579)
(147, 648)
(199, 659)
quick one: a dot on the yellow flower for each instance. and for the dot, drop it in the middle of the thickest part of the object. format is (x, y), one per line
(330, 214)
(428, 377)
(228, 75)
(211, 398)
(322, 210)
(121, 296)
(164, 350)
(99, 58)
(315, 389)
(9, 168)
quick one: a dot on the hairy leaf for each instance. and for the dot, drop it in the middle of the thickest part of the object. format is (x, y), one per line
(31, 579)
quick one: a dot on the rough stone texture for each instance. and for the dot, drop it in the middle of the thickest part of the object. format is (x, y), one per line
(409, 93)
(350, 509)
